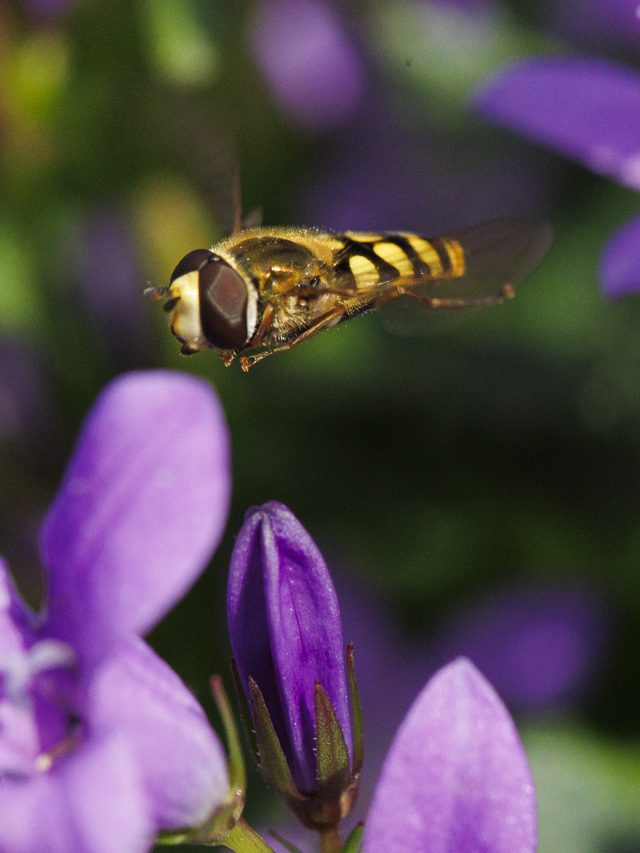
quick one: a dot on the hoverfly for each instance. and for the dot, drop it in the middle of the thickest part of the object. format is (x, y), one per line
(270, 289)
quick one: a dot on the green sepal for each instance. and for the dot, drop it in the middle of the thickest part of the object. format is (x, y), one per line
(332, 756)
(272, 760)
(356, 714)
(245, 710)
(353, 843)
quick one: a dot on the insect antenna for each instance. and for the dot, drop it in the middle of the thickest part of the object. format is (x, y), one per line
(156, 293)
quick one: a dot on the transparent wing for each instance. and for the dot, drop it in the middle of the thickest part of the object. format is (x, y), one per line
(497, 257)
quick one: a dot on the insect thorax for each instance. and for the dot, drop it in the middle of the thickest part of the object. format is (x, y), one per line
(274, 263)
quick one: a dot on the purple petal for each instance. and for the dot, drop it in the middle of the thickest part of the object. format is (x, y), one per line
(177, 753)
(456, 779)
(91, 802)
(19, 735)
(620, 262)
(140, 511)
(16, 620)
(308, 60)
(23, 729)
(586, 109)
(285, 630)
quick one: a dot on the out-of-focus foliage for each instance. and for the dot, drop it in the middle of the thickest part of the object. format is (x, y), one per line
(500, 449)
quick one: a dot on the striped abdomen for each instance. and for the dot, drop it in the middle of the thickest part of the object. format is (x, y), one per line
(372, 258)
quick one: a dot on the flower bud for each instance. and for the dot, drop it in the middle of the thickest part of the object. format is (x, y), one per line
(286, 636)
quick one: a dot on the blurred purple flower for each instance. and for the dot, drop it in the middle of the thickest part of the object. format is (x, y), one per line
(541, 647)
(470, 6)
(424, 180)
(285, 630)
(619, 271)
(588, 110)
(26, 408)
(101, 744)
(594, 23)
(109, 288)
(48, 9)
(456, 778)
(537, 645)
(309, 61)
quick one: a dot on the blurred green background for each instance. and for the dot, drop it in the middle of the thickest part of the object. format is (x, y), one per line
(497, 453)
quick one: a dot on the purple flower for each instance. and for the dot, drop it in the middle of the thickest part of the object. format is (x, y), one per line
(456, 779)
(286, 636)
(310, 63)
(101, 744)
(588, 110)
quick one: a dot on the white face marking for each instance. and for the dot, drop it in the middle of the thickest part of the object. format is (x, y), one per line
(185, 317)
(252, 310)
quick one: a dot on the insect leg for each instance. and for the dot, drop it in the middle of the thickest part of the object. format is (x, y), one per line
(506, 292)
(328, 319)
(263, 327)
(227, 356)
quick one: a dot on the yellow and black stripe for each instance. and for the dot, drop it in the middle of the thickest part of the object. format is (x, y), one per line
(370, 258)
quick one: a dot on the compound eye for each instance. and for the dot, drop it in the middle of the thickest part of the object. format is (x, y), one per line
(223, 305)
(192, 262)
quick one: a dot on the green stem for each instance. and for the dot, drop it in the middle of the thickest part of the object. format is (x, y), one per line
(330, 841)
(237, 775)
(243, 839)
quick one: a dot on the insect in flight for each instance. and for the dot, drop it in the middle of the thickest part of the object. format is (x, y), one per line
(269, 289)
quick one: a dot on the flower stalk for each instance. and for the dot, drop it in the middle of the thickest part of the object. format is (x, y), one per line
(330, 840)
